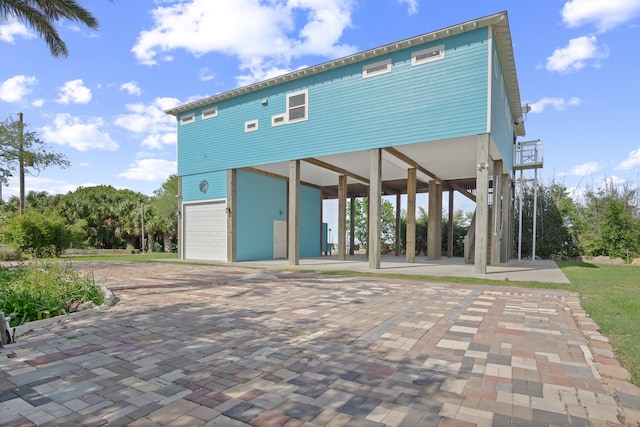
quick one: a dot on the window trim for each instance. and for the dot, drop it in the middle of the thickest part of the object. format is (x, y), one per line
(209, 113)
(283, 116)
(306, 106)
(430, 55)
(248, 126)
(378, 70)
(185, 119)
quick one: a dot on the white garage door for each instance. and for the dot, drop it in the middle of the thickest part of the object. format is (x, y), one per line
(205, 231)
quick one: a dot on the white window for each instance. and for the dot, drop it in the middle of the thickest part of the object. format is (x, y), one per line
(427, 55)
(297, 106)
(377, 68)
(187, 118)
(251, 126)
(278, 120)
(209, 113)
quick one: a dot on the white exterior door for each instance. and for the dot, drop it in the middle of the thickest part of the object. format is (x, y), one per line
(279, 239)
(205, 231)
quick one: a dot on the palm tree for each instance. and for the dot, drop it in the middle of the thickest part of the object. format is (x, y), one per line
(42, 14)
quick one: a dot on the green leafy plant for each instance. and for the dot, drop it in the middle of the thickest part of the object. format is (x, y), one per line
(42, 290)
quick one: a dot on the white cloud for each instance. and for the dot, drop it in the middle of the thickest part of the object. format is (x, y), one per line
(605, 14)
(132, 88)
(614, 181)
(150, 170)
(38, 102)
(158, 141)
(152, 121)
(83, 136)
(39, 183)
(206, 74)
(582, 170)
(557, 103)
(632, 161)
(74, 92)
(576, 55)
(12, 28)
(264, 36)
(412, 6)
(16, 88)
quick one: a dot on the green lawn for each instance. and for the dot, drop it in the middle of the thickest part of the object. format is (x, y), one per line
(610, 294)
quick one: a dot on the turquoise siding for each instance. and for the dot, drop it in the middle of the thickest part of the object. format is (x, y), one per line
(194, 189)
(501, 117)
(310, 216)
(260, 201)
(442, 99)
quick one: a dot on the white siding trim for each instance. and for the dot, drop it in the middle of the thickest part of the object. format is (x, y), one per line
(489, 77)
(425, 56)
(306, 106)
(187, 118)
(251, 126)
(209, 113)
(376, 69)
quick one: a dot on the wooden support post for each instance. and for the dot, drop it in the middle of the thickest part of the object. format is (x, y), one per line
(232, 251)
(411, 215)
(375, 194)
(482, 204)
(352, 226)
(398, 225)
(342, 217)
(496, 220)
(507, 219)
(450, 227)
(434, 221)
(293, 242)
(438, 220)
(180, 220)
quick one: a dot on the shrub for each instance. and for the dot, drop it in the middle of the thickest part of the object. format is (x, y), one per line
(38, 231)
(43, 290)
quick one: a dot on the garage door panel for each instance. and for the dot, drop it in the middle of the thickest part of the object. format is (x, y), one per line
(205, 231)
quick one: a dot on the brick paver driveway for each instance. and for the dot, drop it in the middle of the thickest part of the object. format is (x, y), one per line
(201, 345)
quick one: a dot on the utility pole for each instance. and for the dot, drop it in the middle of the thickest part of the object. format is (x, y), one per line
(142, 245)
(21, 161)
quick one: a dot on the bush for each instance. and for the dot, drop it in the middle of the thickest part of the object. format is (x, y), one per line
(7, 253)
(38, 231)
(43, 290)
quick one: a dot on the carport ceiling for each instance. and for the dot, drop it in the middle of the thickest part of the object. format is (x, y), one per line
(452, 161)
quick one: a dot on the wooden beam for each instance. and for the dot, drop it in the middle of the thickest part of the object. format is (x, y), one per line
(335, 169)
(447, 185)
(278, 176)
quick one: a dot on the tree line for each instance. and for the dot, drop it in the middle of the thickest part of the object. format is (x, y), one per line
(606, 222)
(100, 217)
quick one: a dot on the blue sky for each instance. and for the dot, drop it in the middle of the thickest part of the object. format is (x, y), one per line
(577, 63)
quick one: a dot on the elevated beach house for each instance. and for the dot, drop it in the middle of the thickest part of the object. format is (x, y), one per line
(437, 112)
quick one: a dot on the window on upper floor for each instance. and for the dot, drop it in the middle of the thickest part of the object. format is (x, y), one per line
(209, 113)
(251, 126)
(278, 120)
(185, 119)
(376, 69)
(427, 55)
(297, 106)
